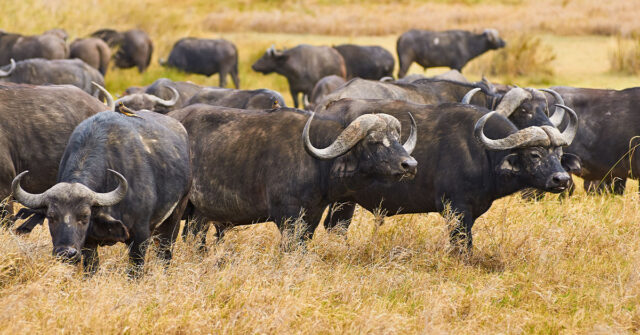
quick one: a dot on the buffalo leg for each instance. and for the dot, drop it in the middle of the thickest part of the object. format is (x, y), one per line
(294, 96)
(137, 251)
(168, 230)
(90, 259)
(619, 185)
(234, 75)
(339, 214)
(405, 61)
(461, 237)
(223, 78)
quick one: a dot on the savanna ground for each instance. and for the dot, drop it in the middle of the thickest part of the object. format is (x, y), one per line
(537, 267)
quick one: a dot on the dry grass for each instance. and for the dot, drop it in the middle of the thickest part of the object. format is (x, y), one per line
(625, 56)
(543, 267)
(546, 267)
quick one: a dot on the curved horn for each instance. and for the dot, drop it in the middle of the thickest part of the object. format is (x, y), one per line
(107, 95)
(271, 50)
(570, 132)
(27, 199)
(411, 142)
(467, 97)
(530, 136)
(115, 196)
(11, 68)
(511, 100)
(349, 137)
(558, 114)
(167, 103)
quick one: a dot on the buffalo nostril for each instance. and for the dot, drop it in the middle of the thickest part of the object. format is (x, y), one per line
(560, 178)
(409, 164)
(68, 253)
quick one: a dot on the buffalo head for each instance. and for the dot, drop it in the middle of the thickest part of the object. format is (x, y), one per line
(370, 146)
(493, 39)
(73, 211)
(270, 61)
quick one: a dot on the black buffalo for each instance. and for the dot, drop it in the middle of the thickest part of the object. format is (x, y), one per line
(303, 66)
(49, 45)
(160, 96)
(451, 48)
(36, 124)
(92, 51)
(241, 99)
(207, 57)
(135, 48)
(607, 136)
(121, 179)
(366, 62)
(323, 88)
(475, 165)
(238, 156)
(38, 71)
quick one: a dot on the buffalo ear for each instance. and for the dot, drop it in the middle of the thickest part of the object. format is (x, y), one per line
(509, 164)
(344, 166)
(571, 163)
(105, 229)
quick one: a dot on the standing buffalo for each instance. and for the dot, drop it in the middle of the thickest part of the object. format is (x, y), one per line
(160, 96)
(303, 66)
(38, 71)
(366, 62)
(241, 99)
(207, 57)
(92, 51)
(463, 163)
(36, 122)
(451, 48)
(121, 179)
(134, 47)
(323, 88)
(607, 136)
(238, 157)
(50, 45)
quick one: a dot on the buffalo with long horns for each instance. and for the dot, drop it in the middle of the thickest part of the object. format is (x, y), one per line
(121, 179)
(468, 158)
(251, 166)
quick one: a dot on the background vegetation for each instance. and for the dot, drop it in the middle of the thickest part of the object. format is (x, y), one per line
(538, 267)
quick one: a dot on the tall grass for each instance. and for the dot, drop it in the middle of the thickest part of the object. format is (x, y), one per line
(625, 55)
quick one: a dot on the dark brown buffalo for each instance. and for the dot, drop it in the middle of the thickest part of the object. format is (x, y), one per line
(323, 88)
(135, 48)
(303, 66)
(92, 51)
(49, 45)
(366, 62)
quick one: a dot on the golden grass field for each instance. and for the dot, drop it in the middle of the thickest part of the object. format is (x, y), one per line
(542, 267)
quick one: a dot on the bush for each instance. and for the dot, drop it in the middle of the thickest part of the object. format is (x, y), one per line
(625, 56)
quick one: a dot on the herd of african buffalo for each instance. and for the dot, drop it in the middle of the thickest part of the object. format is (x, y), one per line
(132, 169)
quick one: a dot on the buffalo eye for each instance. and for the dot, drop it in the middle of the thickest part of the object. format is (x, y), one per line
(535, 155)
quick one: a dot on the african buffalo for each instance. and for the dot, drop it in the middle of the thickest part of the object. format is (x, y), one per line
(207, 57)
(241, 99)
(238, 157)
(366, 62)
(303, 66)
(607, 135)
(160, 95)
(49, 45)
(92, 51)
(121, 179)
(322, 88)
(451, 48)
(38, 71)
(135, 48)
(36, 124)
(475, 164)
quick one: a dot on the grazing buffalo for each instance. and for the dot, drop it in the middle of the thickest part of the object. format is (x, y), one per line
(323, 87)
(366, 62)
(38, 71)
(451, 48)
(36, 124)
(159, 96)
(121, 179)
(607, 136)
(303, 66)
(49, 45)
(475, 165)
(241, 99)
(134, 47)
(238, 157)
(207, 57)
(92, 51)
